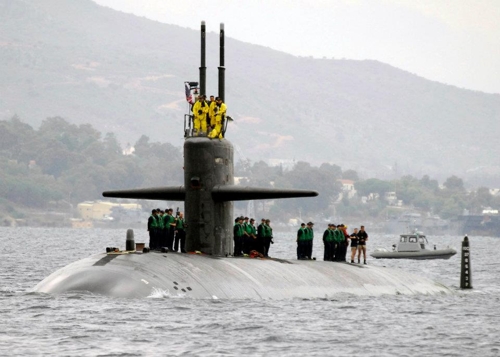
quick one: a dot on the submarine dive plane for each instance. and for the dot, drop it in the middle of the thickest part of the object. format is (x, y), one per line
(208, 193)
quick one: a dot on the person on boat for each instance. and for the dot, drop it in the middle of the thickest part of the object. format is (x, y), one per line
(200, 111)
(180, 234)
(161, 231)
(238, 233)
(301, 236)
(268, 237)
(211, 112)
(247, 238)
(363, 237)
(345, 245)
(338, 238)
(220, 113)
(354, 244)
(308, 245)
(329, 244)
(260, 236)
(152, 229)
(169, 223)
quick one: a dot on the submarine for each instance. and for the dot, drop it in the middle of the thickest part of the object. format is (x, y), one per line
(208, 270)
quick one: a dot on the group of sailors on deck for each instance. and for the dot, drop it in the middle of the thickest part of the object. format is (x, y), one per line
(252, 241)
(167, 230)
(336, 241)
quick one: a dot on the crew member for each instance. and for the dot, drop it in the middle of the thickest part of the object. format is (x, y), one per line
(180, 234)
(328, 242)
(309, 240)
(211, 112)
(238, 233)
(340, 244)
(220, 113)
(247, 238)
(200, 110)
(354, 244)
(301, 237)
(170, 228)
(345, 244)
(268, 237)
(260, 236)
(152, 224)
(363, 237)
(252, 232)
(162, 233)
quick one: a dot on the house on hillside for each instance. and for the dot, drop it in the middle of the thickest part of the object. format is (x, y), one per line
(348, 189)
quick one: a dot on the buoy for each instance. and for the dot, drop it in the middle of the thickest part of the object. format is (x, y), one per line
(465, 273)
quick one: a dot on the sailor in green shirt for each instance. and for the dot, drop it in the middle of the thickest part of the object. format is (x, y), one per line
(252, 236)
(339, 241)
(170, 228)
(238, 233)
(309, 240)
(301, 238)
(180, 234)
(268, 237)
(152, 229)
(329, 244)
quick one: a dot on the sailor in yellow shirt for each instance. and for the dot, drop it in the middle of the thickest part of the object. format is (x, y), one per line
(200, 110)
(211, 111)
(220, 113)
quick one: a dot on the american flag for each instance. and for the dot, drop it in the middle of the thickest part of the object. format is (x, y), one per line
(189, 96)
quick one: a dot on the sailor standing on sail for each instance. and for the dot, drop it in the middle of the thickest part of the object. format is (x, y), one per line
(200, 110)
(220, 113)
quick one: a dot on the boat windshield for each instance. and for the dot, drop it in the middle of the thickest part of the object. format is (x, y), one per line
(403, 239)
(422, 240)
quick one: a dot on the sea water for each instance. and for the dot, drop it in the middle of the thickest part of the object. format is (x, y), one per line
(465, 323)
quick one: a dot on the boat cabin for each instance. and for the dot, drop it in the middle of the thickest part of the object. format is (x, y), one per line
(411, 243)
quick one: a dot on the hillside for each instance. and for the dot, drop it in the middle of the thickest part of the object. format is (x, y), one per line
(125, 74)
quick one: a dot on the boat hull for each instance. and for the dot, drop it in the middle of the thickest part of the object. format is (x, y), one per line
(203, 276)
(422, 255)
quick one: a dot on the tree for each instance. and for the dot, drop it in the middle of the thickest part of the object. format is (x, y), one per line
(454, 183)
(373, 185)
(350, 175)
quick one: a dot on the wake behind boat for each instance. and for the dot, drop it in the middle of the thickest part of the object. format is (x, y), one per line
(413, 246)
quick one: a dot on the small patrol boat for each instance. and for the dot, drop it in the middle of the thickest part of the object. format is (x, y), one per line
(413, 246)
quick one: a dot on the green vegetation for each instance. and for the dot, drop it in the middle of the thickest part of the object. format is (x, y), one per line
(62, 164)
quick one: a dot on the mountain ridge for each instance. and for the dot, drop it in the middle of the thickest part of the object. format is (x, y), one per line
(125, 74)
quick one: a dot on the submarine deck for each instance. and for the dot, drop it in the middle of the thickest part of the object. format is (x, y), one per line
(203, 276)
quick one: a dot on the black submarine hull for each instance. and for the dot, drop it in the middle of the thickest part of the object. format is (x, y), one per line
(136, 275)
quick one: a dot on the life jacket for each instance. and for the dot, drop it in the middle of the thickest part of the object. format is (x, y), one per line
(154, 222)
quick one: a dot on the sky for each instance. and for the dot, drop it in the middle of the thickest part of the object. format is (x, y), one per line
(456, 42)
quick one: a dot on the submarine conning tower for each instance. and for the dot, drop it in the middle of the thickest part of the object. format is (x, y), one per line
(208, 164)
(209, 188)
